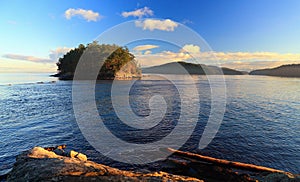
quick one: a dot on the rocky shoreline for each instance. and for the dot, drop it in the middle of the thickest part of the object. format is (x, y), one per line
(40, 164)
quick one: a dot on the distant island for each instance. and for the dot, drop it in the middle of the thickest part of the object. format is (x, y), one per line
(191, 68)
(291, 70)
(120, 63)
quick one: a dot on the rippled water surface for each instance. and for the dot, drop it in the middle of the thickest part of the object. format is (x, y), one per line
(261, 124)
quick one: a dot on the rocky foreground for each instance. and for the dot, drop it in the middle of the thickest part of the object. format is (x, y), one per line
(39, 164)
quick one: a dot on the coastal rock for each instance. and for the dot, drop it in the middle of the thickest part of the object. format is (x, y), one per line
(39, 164)
(281, 177)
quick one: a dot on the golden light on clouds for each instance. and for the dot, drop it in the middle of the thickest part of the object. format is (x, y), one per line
(144, 47)
(12, 66)
(238, 60)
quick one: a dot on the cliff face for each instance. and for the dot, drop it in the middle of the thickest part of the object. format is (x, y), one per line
(130, 70)
(39, 164)
(292, 70)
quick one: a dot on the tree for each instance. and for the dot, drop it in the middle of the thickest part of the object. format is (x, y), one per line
(116, 58)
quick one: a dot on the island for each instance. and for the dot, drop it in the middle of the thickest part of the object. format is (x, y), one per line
(291, 70)
(119, 63)
(190, 68)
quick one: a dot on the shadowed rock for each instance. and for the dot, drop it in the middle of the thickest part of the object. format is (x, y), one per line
(39, 164)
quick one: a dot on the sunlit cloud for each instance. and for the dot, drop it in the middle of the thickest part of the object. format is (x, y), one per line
(190, 48)
(237, 60)
(144, 47)
(149, 59)
(147, 52)
(153, 24)
(253, 65)
(88, 15)
(257, 56)
(53, 56)
(27, 58)
(138, 13)
(22, 66)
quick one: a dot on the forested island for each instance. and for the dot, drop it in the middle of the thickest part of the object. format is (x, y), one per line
(119, 63)
(291, 70)
(191, 68)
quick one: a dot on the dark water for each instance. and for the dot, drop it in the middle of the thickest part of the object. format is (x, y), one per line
(261, 123)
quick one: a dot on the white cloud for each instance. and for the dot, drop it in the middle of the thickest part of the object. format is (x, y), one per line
(88, 15)
(152, 24)
(138, 13)
(144, 47)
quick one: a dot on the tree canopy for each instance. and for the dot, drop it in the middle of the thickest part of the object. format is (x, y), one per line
(116, 57)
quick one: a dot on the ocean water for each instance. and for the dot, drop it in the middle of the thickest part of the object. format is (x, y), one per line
(261, 124)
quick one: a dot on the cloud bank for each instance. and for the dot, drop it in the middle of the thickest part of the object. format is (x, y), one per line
(237, 60)
(88, 15)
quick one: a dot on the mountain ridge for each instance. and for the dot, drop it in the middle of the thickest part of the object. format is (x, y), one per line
(289, 70)
(191, 68)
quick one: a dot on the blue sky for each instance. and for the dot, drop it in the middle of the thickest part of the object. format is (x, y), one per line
(244, 34)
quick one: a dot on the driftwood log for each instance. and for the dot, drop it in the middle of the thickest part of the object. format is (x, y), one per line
(226, 163)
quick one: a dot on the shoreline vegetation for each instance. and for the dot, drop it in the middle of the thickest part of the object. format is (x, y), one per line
(119, 63)
(42, 164)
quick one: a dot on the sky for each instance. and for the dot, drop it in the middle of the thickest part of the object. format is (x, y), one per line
(239, 34)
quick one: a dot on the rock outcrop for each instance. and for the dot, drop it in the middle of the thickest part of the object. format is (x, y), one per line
(39, 164)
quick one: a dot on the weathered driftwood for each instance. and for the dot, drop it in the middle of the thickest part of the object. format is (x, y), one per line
(222, 162)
